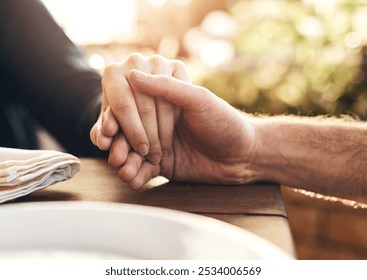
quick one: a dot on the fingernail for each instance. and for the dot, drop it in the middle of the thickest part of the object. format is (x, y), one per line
(143, 149)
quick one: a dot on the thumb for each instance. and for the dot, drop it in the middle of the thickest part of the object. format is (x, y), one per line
(178, 92)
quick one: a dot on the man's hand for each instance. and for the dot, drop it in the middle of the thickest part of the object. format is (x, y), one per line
(212, 141)
(147, 122)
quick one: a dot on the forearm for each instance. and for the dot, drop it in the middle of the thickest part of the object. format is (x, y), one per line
(319, 155)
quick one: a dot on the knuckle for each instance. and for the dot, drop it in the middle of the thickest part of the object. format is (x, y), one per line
(181, 70)
(145, 111)
(162, 65)
(120, 106)
(158, 63)
(179, 64)
(157, 58)
(165, 108)
(135, 60)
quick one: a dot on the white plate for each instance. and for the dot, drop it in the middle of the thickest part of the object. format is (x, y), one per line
(98, 230)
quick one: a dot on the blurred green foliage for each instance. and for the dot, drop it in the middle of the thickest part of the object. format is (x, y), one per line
(299, 57)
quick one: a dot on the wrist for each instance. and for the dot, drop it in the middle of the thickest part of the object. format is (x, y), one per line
(253, 161)
(271, 150)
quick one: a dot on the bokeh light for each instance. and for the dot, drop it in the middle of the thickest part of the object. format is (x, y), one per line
(272, 56)
(303, 57)
(97, 61)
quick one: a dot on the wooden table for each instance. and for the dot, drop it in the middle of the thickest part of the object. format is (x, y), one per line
(257, 208)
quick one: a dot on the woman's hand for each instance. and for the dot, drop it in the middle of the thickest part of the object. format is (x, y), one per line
(147, 122)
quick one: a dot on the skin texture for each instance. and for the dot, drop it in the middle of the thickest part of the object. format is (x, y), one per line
(215, 143)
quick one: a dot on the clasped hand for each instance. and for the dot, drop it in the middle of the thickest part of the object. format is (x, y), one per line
(154, 122)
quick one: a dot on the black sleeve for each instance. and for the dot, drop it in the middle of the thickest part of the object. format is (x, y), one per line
(48, 74)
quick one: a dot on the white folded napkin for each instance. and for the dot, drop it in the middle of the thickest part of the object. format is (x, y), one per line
(26, 171)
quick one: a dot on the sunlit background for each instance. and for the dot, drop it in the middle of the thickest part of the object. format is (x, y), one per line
(304, 57)
(270, 56)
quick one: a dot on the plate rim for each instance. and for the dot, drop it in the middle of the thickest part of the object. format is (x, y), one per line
(268, 250)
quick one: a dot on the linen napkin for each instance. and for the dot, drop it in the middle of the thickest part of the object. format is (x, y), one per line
(26, 171)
